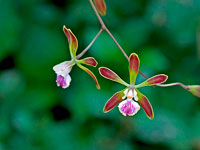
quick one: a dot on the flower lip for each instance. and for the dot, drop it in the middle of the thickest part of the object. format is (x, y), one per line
(128, 107)
(63, 81)
(62, 70)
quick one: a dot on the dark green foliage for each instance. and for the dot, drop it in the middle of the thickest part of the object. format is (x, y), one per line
(35, 114)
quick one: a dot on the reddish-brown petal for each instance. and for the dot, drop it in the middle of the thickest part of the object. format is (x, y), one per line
(194, 89)
(134, 63)
(109, 74)
(154, 80)
(101, 6)
(91, 74)
(113, 101)
(144, 102)
(72, 40)
(89, 61)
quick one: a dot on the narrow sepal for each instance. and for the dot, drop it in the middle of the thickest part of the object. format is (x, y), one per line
(91, 74)
(113, 101)
(101, 6)
(72, 40)
(134, 63)
(157, 79)
(109, 74)
(144, 102)
(194, 89)
(88, 61)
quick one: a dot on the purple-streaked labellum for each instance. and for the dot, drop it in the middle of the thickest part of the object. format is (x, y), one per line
(128, 107)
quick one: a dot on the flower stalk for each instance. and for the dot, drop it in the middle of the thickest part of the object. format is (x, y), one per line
(130, 98)
(103, 27)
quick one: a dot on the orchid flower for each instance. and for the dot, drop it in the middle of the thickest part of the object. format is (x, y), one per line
(63, 69)
(129, 97)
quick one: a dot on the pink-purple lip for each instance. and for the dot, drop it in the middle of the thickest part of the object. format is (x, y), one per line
(61, 81)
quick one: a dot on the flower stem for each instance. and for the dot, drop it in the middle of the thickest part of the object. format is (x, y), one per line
(103, 26)
(118, 45)
(96, 12)
(173, 84)
(91, 43)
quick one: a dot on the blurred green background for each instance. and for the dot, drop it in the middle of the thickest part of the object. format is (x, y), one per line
(35, 114)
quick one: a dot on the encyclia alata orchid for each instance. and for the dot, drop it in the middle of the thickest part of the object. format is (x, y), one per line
(129, 106)
(63, 69)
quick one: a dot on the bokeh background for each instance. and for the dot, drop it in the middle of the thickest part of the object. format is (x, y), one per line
(35, 114)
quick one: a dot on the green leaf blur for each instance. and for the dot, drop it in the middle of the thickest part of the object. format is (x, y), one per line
(35, 114)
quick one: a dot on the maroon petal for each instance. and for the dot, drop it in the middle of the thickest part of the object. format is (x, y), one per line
(144, 102)
(101, 6)
(113, 101)
(109, 74)
(154, 80)
(134, 63)
(91, 74)
(89, 61)
(72, 40)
